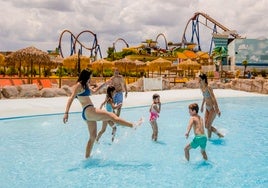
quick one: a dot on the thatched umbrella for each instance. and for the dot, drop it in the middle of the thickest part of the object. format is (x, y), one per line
(29, 57)
(189, 65)
(125, 64)
(140, 65)
(2, 60)
(73, 61)
(203, 57)
(190, 54)
(181, 55)
(101, 65)
(58, 61)
(159, 64)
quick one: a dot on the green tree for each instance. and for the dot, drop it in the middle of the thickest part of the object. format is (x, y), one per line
(245, 64)
(219, 53)
(110, 53)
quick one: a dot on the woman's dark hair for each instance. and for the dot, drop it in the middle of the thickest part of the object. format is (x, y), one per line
(110, 90)
(83, 78)
(204, 77)
(194, 107)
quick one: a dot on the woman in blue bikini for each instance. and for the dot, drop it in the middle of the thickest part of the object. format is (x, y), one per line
(90, 114)
(212, 108)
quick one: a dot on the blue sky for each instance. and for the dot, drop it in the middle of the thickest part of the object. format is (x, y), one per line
(39, 23)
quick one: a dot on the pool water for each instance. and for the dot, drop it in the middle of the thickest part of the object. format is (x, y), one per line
(41, 151)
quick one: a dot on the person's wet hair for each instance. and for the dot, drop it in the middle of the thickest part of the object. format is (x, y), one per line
(194, 107)
(155, 96)
(84, 76)
(204, 77)
(110, 90)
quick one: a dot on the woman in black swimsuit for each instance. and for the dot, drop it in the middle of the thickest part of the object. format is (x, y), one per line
(90, 114)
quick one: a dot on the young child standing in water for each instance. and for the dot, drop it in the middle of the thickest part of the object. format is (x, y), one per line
(200, 138)
(110, 106)
(154, 114)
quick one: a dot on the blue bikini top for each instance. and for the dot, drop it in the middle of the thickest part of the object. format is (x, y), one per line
(206, 94)
(86, 92)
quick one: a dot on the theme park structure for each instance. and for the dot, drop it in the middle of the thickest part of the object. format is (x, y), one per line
(221, 35)
(191, 39)
(77, 44)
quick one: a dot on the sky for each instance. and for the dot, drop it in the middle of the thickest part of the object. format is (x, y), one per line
(40, 23)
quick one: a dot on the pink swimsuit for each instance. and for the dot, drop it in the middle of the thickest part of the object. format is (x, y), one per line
(153, 114)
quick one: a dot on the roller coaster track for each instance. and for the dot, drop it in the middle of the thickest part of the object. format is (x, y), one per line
(195, 28)
(74, 40)
(161, 34)
(120, 39)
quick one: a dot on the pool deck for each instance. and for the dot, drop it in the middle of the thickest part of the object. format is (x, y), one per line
(38, 106)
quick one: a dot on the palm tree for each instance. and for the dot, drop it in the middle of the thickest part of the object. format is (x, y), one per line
(219, 53)
(245, 64)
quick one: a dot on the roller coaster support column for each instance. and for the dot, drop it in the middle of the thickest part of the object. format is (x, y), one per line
(78, 62)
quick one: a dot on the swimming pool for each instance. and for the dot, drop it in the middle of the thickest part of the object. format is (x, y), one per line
(43, 152)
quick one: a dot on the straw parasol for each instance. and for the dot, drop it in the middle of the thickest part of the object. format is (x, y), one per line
(159, 64)
(203, 58)
(181, 55)
(58, 60)
(189, 64)
(190, 54)
(2, 60)
(140, 65)
(72, 61)
(29, 57)
(202, 55)
(124, 64)
(101, 65)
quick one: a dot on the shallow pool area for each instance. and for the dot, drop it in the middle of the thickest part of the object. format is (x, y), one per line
(41, 151)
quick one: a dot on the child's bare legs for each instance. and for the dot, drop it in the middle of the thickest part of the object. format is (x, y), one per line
(92, 128)
(103, 129)
(186, 151)
(203, 152)
(155, 130)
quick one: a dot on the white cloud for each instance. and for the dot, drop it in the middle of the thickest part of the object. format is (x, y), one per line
(40, 22)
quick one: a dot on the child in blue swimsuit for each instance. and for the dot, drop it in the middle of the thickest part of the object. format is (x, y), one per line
(110, 106)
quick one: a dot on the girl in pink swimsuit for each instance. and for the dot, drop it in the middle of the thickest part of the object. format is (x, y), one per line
(154, 114)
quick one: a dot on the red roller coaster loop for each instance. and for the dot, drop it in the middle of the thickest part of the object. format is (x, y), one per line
(74, 41)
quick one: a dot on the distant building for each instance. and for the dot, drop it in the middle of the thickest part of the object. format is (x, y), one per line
(255, 51)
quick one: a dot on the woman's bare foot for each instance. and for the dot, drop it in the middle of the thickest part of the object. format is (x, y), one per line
(135, 125)
(220, 135)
